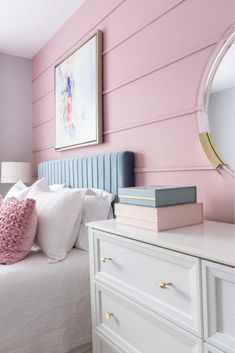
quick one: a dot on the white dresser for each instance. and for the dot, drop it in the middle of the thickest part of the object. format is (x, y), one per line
(167, 292)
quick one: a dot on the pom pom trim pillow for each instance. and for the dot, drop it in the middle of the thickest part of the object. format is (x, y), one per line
(18, 223)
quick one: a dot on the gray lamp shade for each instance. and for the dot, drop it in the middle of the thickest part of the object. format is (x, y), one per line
(11, 172)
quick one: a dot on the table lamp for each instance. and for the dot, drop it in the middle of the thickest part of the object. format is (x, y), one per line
(11, 172)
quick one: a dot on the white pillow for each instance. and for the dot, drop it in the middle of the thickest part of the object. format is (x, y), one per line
(20, 190)
(107, 196)
(95, 208)
(56, 187)
(58, 214)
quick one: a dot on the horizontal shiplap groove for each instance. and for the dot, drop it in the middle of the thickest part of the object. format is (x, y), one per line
(67, 51)
(43, 122)
(151, 121)
(138, 125)
(147, 73)
(174, 169)
(48, 148)
(43, 95)
(158, 170)
(165, 12)
(158, 68)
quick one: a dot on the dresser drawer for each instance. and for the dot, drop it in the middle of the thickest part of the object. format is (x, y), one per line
(102, 346)
(164, 281)
(138, 330)
(210, 349)
(219, 305)
(107, 348)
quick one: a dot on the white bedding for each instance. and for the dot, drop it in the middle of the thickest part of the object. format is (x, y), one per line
(45, 308)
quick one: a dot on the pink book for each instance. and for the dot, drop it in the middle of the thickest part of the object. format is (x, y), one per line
(162, 218)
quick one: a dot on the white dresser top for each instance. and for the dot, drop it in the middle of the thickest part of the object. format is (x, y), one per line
(214, 241)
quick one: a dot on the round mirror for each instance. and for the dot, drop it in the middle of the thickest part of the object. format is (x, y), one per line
(218, 136)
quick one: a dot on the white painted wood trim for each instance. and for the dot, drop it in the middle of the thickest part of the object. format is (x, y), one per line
(211, 272)
(192, 324)
(148, 314)
(213, 241)
(211, 349)
(106, 231)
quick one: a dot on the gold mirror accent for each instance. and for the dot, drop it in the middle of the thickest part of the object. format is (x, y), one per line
(210, 149)
(216, 119)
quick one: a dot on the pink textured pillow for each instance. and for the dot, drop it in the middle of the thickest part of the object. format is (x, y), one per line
(18, 223)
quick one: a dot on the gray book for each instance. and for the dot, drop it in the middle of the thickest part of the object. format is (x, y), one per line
(158, 196)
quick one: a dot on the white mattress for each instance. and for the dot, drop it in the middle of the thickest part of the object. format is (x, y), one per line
(45, 308)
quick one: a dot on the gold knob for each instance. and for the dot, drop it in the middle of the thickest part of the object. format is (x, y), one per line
(106, 259)
(164, 285)
(108, 315)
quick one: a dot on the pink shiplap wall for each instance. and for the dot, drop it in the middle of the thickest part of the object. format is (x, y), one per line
(154, 54)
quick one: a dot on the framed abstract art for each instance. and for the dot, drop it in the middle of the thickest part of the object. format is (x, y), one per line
(78, 96)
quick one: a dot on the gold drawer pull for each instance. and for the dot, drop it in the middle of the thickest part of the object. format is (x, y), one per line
(106, 259)
(108, 315)
(164, 285)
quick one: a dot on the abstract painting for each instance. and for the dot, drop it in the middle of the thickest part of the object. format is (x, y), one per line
(78, 96)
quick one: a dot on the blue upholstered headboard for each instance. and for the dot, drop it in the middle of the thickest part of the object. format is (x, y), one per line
(104, 171)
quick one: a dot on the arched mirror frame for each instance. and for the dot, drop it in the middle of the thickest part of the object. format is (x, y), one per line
(203, 101)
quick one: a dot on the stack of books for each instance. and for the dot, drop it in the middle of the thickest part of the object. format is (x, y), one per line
(158, 208)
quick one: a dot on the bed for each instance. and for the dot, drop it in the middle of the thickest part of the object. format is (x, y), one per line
(45, 308)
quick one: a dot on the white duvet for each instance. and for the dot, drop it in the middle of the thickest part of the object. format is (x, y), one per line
(45, 308)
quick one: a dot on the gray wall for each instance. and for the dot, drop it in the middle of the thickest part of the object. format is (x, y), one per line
(15, 110)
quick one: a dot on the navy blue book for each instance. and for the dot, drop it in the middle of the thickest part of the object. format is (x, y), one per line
(158, 196)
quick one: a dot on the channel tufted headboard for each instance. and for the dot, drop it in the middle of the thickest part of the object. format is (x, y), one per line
(103, 171)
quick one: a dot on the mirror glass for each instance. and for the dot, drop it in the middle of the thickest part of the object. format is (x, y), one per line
(220, 105)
